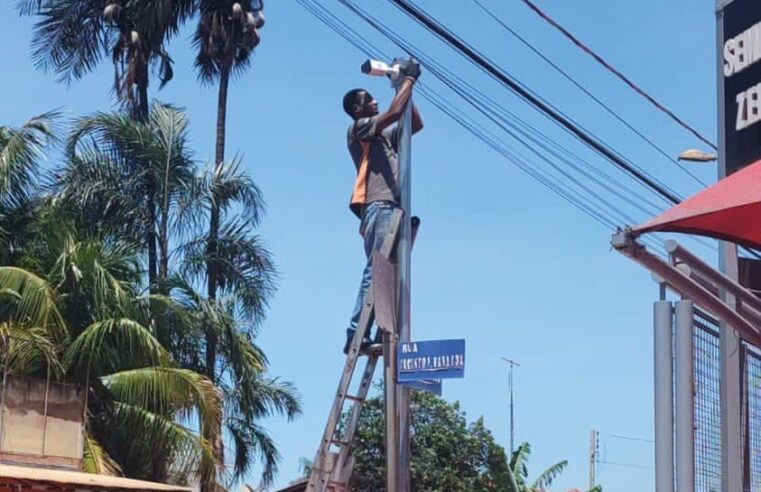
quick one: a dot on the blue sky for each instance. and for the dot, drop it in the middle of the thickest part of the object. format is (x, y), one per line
(499, 260)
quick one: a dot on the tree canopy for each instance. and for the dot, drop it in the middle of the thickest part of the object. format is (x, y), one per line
(448, 453)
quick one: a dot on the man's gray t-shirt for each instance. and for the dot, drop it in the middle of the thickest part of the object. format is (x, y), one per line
(380, 181)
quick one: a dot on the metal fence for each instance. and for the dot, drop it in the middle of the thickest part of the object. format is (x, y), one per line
(752, 418)
(707, 409)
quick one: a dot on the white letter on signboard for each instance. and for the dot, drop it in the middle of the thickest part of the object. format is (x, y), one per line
(729, 57)
(742, 122)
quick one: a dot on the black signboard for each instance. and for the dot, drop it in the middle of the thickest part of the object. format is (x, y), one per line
(741, 55)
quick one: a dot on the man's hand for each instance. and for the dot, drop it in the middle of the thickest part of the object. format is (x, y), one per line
(410, 68)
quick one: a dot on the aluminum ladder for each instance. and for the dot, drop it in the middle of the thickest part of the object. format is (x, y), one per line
(331, 470)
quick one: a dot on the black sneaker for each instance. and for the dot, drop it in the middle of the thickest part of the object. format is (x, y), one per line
(364, 346)
(373, 346)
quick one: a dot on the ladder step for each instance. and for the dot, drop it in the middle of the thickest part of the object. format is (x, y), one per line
(338, 442)
(354, 398)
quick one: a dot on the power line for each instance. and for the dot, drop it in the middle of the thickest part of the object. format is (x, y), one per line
(586, 91)
(625, 465)
(479, 60)
(627, 438)
(440, 31)
(617, 73)
(457, 85)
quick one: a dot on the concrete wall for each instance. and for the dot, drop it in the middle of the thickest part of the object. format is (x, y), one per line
(38, 426)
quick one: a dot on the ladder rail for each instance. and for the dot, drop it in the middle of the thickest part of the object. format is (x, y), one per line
(318, 478)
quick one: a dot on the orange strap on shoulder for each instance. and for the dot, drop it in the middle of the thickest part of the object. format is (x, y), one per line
(359, 194)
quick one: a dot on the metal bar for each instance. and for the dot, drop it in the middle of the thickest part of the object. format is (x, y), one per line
(592, 458)
(392, 420)
(404, 255)
(729, 386)
(723, 281)
(707, 277)
(686, 286)
(664, 418)
(685, 400)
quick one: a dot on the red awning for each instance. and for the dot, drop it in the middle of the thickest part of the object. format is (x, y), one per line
(729, 210)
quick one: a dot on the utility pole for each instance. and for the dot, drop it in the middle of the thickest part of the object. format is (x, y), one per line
(404, 262)
(512, 365)
(593, 444)
(730, 399)
(398, 478)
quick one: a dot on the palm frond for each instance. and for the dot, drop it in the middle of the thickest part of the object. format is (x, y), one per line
(244, 266)
(30, 350)
(251, 440)
(519, 462)
(36, 304)
(221, 42)
(20, 151)
(187, 453)
(168, 391)
(96, 460)
(549, 475)
(232, 186)
(113, 345)
(70, 37)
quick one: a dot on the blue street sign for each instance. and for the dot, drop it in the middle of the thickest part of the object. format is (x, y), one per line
(433, 359)
(430, 385)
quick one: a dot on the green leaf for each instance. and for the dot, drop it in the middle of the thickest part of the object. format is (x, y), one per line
(115, 344)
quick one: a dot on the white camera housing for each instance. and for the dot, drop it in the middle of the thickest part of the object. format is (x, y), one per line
(380, 69)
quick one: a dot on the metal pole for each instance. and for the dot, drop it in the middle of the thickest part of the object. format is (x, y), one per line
(730, 399)
(392, 422)
(664, 410)
(404, 250)
(685, 397)
(593, 458)
(512, 417)
(512, 365)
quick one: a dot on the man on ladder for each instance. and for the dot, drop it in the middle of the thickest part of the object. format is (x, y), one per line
(373, 145)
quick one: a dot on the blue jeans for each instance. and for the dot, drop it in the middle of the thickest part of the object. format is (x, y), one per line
(375, 221)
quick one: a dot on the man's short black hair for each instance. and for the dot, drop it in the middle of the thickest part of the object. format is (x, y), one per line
(350, 99)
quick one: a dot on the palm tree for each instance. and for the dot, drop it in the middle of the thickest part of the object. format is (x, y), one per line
(519, 481)
(77, 317)
(21, 149)
(131, 178)
(109, 156)
(249, 394)
(73, 36)
(245, 274)
(226, 36)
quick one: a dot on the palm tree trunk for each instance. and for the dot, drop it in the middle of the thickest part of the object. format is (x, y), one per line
(214, 223)
(219, 157)
(150, 191)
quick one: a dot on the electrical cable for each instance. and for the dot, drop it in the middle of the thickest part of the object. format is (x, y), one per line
(617, 73)
(436, 70)
(508, 81)
(586, 91)
(554, 114)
